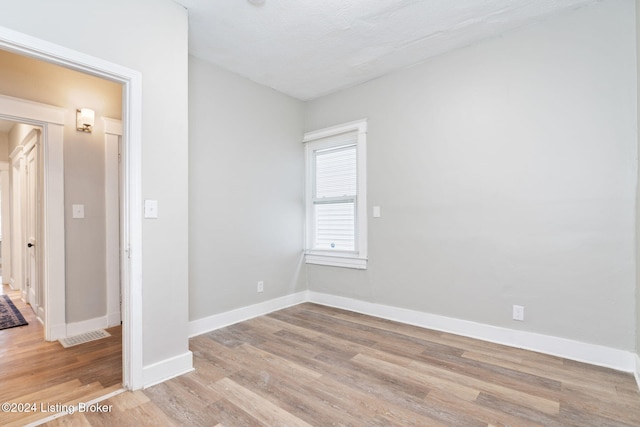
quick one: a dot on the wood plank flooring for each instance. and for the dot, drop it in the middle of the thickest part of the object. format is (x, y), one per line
(35, 371)
(311, 365)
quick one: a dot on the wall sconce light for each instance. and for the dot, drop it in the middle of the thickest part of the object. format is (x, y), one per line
(85, 119)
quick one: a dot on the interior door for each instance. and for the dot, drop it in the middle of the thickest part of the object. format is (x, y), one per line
(31, 226)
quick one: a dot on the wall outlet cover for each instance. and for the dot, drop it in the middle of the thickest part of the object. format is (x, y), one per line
(77, 211)
(151, 209)
(518, 312)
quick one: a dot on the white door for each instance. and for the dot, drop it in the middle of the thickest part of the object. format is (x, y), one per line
(17, 244)
(31, 226)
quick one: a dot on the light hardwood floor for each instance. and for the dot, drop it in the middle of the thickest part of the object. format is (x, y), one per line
(35, 371)
(319, 366)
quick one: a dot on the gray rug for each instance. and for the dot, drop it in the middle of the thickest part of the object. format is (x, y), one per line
(10, 316)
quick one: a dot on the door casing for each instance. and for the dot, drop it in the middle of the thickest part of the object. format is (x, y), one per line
(32, 217)
(51, 119)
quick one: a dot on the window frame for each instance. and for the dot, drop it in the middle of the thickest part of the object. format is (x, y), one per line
(328, 138)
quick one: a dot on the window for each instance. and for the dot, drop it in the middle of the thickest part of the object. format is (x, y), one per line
(336, 206)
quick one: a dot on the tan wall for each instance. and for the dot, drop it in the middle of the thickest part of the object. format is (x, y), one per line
(4, 147)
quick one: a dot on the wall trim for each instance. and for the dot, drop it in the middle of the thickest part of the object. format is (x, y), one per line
(16, 153)
(112, 195)
(166, 369)
(636, 372)
(114, 319)
(22, 109)
(593, 354)
(217, 321)
(112, 126)
(131, 80)
(50, 251)
(14, 262)
(77, 328)
(59, 330)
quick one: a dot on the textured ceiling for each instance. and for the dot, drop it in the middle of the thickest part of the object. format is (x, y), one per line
(309, 48)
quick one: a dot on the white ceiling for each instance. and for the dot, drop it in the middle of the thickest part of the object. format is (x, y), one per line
(309, 48)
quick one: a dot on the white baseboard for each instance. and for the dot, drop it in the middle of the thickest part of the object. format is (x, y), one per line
(89, 325)
(114, 319)
(166, 369)
(58, 331)
(217, 321)
(636, 373)
(593, 354)
(575, 350)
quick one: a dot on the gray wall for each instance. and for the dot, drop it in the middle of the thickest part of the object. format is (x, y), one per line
(150, 36)
(34, 80)
(245, 191)
(637, 234)
(506, 175)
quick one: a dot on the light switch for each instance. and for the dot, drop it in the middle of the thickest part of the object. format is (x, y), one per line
(77, 211)
(151, 209)
(376, 211)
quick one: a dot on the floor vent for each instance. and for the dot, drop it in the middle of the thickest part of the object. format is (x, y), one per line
(83, 338)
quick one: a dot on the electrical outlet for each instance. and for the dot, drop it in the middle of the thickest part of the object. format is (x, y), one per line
(518, 312)
(261, 286)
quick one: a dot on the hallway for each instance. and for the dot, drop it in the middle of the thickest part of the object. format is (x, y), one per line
(33, 370)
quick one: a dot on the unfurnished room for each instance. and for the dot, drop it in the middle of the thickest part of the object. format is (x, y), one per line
(285, 213)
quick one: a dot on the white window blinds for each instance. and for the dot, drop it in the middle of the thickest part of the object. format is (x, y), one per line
(334, 198)
(336, 172)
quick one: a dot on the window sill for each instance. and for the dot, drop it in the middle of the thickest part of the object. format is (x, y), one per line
(346, 261)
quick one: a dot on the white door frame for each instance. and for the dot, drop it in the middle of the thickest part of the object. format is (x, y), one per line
(51, 245)
(53, 233)
(112, 136)
(33, 221)
(5, 196)
(19, 194)
(15, 281)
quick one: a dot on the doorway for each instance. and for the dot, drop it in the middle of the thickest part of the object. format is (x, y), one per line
(32, 218)
(53, 204)
(95, 368)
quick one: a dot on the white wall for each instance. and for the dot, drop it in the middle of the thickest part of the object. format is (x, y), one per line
(149, 36)
(506, 175)
(245, 191)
